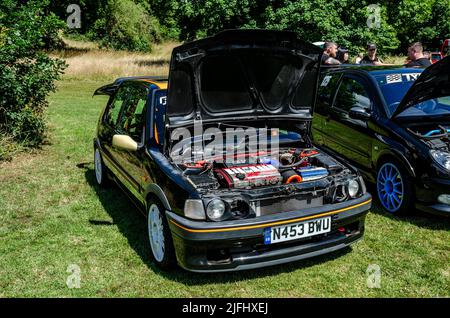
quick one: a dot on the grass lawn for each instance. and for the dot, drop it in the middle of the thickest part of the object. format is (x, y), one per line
(53, 215)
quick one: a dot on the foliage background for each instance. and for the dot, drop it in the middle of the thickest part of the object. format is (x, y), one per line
(31, 29)
(27, 74)
(344, 21)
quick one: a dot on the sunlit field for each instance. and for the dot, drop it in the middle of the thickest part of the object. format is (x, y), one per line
(87, 60)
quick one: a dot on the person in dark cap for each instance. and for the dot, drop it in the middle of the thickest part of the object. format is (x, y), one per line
(371, 58)
(329, 54)
(342, 55)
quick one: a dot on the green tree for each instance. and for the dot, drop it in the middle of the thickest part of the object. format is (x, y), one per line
(126, 25)
(118, 24)
(198, 19)
(412, 20)
(343, 21)
(27, 74)
(91, 11)
(427, 21)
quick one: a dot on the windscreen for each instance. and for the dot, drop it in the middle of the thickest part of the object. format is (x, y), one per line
(431, 107)
(394, 87)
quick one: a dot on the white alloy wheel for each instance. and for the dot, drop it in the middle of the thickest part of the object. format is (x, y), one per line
(156, 232)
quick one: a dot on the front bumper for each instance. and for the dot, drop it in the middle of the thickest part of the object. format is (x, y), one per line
(239, 245)
(427, 193)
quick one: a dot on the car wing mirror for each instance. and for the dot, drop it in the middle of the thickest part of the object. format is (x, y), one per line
(359, 113)
(124, 142)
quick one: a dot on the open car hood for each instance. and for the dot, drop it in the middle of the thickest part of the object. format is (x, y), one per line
(243, 73)
(434, 82)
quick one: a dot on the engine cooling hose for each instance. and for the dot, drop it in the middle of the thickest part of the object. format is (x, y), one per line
(290, 176)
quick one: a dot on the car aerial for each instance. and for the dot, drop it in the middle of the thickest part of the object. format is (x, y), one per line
(392, 123)
(266, 195)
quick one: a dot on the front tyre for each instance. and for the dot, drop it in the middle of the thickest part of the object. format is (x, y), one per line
(101, 172)
(160, 238)
(394, 188)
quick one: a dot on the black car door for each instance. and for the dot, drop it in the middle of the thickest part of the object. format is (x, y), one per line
(132, 123)
(343, 133)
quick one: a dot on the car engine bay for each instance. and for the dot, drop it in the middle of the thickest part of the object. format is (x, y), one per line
(293, 179)
(436, 136)
(294, 165)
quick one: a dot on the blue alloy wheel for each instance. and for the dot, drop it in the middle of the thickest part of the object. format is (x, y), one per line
(390, 187)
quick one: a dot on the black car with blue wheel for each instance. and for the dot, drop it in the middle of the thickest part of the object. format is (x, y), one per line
(220, 160)
(393, 124)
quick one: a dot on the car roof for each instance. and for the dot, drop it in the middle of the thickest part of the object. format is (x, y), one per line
(155, 82)
(159, 81)
(372, 69)
(158, 84)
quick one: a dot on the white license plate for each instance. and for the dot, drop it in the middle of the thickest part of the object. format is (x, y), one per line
(296, 231)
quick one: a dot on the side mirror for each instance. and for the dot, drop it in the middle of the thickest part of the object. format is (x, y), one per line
(124, 142)
(359, 113)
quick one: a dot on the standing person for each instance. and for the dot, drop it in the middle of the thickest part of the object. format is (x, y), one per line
(342, 55)
(416, 57)
(329, 54)
(371, 57)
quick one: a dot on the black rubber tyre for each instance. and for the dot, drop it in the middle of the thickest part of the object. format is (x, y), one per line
(100, 170)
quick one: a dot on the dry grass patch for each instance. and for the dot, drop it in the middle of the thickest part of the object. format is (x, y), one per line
(87, 60)
(394, 59)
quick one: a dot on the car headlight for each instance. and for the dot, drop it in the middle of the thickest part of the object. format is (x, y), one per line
(353, 188)
(215, 209)
(442, 158)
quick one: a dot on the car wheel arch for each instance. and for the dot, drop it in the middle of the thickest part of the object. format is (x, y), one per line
(396, 156)
(156, 193)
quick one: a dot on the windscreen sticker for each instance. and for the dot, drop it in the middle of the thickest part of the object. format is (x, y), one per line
(411, 76)
(399, 78)
(163, 100)
(394, 78)
(325, 81)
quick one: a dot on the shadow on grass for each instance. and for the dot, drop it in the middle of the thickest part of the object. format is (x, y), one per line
(70, 51)
(131, 223)
(414, 217)
(160, 62)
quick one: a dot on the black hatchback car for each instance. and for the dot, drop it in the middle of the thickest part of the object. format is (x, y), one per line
(393, 124)
(264, 196)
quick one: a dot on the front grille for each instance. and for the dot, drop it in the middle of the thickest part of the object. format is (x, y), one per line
(289, 204)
